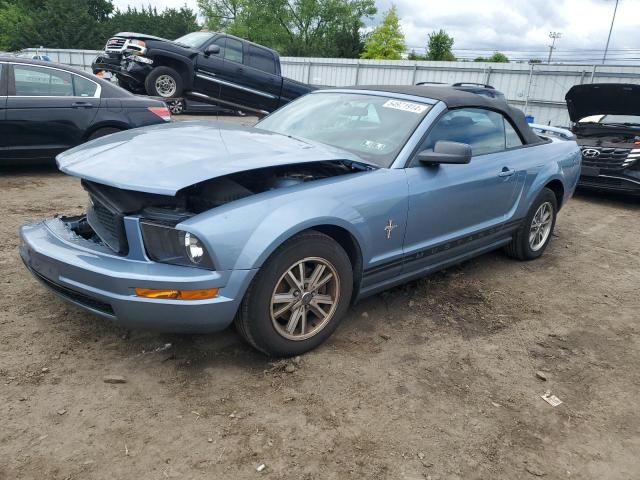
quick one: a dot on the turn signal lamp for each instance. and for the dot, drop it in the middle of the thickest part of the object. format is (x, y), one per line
(169, 294)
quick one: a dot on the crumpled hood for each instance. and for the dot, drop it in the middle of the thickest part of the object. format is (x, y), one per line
(163, 159)
(602, 98)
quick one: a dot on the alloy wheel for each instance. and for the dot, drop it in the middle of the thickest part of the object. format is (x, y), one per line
(541, 226)
(305, 298)
(166, 86)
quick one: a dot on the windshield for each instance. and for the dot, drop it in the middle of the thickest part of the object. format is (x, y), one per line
(195, 39)
(373, 127)
(612, 119)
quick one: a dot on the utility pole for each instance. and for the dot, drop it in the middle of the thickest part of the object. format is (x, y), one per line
(553, 36)
(606, 49)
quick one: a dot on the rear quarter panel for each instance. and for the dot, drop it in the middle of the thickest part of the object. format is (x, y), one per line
(538, 165)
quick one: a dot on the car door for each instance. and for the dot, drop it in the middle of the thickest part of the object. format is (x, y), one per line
(261, 78)
(208, 68)
(455, 209)
(3, 102)
(232, 77)
(48, 110)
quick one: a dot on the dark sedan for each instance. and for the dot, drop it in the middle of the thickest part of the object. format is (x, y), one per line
(47, 108)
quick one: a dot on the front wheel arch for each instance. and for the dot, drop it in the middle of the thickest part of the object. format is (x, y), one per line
(342, 235)
(348, 242)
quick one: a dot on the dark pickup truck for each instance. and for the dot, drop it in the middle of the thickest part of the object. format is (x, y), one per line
(205, 66)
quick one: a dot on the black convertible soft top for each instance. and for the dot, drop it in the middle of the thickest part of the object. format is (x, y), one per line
(456, 98)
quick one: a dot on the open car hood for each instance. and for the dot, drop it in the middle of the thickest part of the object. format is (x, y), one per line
(603, 99)
(166, 158)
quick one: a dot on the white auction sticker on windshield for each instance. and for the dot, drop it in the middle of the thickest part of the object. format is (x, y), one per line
(405, 106)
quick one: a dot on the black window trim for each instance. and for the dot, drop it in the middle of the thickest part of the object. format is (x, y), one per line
(12, 83)
(4, 84)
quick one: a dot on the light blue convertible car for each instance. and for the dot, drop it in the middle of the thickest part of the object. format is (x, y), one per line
(336, 196)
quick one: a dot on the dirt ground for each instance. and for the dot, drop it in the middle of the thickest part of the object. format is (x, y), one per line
(433, 380)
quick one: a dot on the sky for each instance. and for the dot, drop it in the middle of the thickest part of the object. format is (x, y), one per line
(519, 28)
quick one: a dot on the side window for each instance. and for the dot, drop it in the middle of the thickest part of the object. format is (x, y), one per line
(261, 59)
(42, 82)
(482, 129)
(233, 50)
(221, 42)
(83, 87)
(512, 137)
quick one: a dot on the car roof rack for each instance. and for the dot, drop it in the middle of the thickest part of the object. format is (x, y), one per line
(431, 83)
(473, 84)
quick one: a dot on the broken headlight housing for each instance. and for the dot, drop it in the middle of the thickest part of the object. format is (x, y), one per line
(166, 244)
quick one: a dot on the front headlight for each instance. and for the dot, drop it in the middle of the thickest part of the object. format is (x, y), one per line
(165, 244)
(194, 248)
(138, 43)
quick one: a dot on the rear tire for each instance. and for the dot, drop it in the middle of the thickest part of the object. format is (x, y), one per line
(176, 107)
(164, 82)
(103, 132)
(531, 239)
(282, 315)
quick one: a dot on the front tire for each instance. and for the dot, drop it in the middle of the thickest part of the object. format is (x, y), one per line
(164, 82)
(532, 238)
(298, 297)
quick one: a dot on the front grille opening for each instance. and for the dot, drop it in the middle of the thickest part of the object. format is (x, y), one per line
(609, 158)
(108, 225)
(115, 42)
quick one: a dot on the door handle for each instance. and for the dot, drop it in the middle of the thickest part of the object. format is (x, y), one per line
(82, 105)
(506, 172)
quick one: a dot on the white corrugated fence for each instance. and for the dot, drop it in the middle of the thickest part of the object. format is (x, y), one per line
(537, 89)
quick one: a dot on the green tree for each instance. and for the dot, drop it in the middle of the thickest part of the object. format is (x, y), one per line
(13, 20)
(59, 24)
(439, 47)
(386, 41)
(171, 23)
(326, 28)
(497, 57)
(415, 56)
(100, 9)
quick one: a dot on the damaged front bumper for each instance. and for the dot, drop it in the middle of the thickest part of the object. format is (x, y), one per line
(92, 277)
(129, 68)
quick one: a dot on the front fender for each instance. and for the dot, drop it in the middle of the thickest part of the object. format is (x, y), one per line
(187, 63)
(289, 220)
(243, 237)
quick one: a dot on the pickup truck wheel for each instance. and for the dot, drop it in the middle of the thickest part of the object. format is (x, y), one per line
(298, 297)
(532, 238)
(164, 82)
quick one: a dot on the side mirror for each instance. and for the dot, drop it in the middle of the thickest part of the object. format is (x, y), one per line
(212, 49)
(446, 152)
